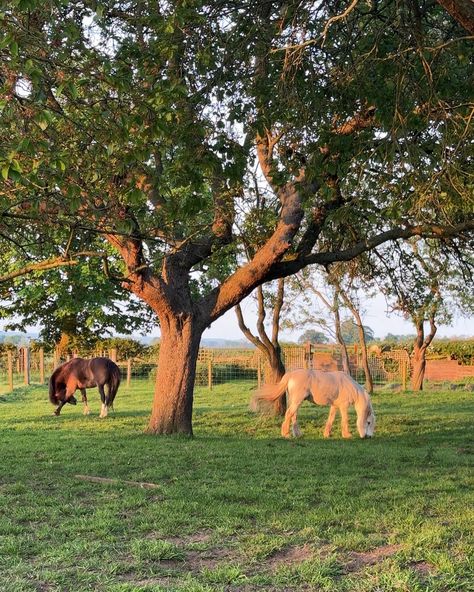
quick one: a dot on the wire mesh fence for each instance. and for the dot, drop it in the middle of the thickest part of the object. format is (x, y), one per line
(23, 366)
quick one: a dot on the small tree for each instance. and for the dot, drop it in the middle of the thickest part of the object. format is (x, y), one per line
(268, 345)
(424, 280)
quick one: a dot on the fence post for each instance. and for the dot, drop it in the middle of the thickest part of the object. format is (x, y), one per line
(259, 371)
(129, 372)
(26, 365)
(113, 354)
(404, 375)
(41, 365)
(10, 369)
(209, 372)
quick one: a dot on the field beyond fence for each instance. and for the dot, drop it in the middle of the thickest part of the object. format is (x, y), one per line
(23, 366)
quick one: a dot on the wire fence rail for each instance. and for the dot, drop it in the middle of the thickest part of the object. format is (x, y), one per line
(24, 366)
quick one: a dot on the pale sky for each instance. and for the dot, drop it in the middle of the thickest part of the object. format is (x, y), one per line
(376, 318)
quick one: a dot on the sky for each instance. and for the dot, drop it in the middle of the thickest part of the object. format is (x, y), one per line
(375, 317)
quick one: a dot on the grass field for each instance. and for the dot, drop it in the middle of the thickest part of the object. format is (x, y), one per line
(236, 508)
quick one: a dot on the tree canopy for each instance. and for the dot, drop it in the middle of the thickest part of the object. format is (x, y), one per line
(141, 122)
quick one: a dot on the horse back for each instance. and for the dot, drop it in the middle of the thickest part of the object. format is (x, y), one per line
(333, 388)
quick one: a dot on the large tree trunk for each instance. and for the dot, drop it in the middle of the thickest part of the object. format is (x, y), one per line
(275, 374)
(418, 369)
(173, 399)
(419, 354)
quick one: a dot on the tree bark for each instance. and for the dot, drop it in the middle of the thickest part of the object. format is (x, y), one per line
(337, 326)
(419, 353)
(269, 347)
(172, 407)
(462, 11)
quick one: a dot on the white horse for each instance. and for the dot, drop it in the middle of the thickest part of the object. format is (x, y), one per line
(336, 389)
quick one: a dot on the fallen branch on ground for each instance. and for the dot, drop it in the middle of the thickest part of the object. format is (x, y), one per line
(108, 481)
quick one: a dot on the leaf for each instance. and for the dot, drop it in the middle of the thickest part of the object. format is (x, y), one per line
(14, 48)
(5, 170)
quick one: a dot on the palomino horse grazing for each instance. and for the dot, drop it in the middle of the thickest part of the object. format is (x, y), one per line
(81, 374)
(336, 389)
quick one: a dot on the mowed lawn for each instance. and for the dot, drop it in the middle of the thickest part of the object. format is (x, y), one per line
(236, 508)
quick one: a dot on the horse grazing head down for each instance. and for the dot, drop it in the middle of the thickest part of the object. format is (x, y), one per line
(366, 421)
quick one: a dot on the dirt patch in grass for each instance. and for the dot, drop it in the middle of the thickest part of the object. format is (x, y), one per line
(197, 537)
(209, 559)
(359, 560)
(423, 568)
(289, 555)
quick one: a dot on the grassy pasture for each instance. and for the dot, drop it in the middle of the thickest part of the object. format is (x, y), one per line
(236, 508)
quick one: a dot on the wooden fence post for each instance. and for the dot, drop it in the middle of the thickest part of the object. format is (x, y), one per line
(404, 374)
(113, 354)
(26, 365)
(209, 373)
(41, 365)
(259, 371)
(129, 372)
(10, 369)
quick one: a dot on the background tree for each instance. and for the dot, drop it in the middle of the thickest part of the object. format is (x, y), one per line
(141, 125)
(75, 306)
(269, 346)
(424, 280)
(313, 336)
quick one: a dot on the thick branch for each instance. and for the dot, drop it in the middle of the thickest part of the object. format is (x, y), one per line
(291, 266)
(462, 11)
(277, 311)
(254, 273)
(49, 264)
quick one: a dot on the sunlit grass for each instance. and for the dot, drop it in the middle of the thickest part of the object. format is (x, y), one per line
(236, 508)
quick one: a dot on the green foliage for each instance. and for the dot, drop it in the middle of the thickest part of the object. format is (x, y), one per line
(350, 332)
(126, 348)
(462, 351)
(313, 336)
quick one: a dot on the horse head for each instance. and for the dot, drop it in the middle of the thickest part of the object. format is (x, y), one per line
(366, 420)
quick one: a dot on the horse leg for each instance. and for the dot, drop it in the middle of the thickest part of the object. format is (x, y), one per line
(346, 433)
(290, 418)
(104, 399)
(295, 428)
(57, 411)
(330, 421)
(84, 400)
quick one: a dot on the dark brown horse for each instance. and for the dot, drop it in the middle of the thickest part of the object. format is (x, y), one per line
(81, 374)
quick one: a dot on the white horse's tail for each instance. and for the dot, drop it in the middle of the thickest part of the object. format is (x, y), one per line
(264, 398)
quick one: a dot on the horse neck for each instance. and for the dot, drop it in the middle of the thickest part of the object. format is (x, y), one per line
(362, 399)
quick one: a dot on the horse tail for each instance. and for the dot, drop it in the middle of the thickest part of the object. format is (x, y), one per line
(265, 397)
(52, 389)
(114, 384)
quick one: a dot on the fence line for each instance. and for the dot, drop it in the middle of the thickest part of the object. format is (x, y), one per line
(214, 366)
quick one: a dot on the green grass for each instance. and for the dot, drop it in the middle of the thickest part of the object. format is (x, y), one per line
(237, 508)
